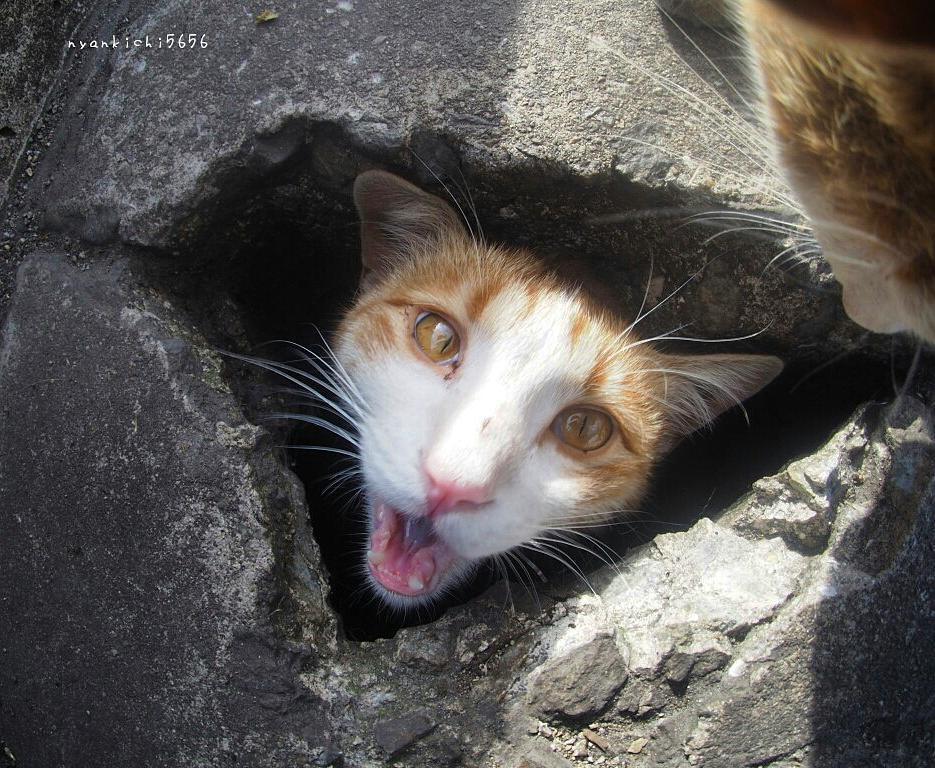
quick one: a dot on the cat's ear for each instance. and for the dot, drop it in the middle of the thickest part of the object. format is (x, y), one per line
(396, 217)
(696, 389)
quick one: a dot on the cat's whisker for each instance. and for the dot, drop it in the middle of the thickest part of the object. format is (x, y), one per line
(748, 226)
(649, 282)
(316, 421)
(466, 190)
(305, 398)
(739, 136)
(643, 315)
(450, 194)
(903, 391)
(322, 448)
(700, 407)
(733, 230)
(329, 369)
(339, 387)
(529, 567)
(601, 551)
(596, 520)
(296, 376)
(726, 173)
(796, 252)
(667, 336)
(338, 381)
(337, 479)
(503, 572)
(549, 550)
(658, 337)
(513, 563)
(714, 66)
(793, 227)
(521, 567)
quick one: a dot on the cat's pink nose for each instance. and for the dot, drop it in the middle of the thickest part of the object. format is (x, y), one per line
(443, 496)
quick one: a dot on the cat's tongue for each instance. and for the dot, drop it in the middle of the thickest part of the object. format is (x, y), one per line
(404, 554)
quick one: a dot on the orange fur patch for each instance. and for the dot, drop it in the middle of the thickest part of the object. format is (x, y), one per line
(854, 126)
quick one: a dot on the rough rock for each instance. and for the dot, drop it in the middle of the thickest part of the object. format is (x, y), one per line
(580, 682)
(424, 645)
(687, 593)
(34, 36)
(538, 757)
(397, 734)
(144, 547)
(800, 503)
(835, 673)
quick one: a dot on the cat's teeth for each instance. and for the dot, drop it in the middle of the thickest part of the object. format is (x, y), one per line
(424, 566)
(415, 583)
(380, 513)
(376, 557)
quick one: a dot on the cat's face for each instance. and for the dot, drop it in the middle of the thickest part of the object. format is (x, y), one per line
(500, 404)
(850, 91)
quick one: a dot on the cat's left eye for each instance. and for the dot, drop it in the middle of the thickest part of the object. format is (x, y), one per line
(437, 338)
(586, 429)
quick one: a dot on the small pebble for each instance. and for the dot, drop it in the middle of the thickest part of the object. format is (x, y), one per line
(596, 739)
(636, 746)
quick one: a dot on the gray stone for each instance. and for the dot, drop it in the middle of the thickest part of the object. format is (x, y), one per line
(579, 683)
(398, 733)
(540, 757)
(706, 582)
(424, 645)
(800, 503)
(835, 670)
(34, 35)
(698, 654)
(143, 554)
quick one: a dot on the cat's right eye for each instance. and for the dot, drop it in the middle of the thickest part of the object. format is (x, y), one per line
(437, 338)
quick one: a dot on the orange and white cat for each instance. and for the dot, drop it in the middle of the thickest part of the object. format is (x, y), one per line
(849, 87)
(492, 403)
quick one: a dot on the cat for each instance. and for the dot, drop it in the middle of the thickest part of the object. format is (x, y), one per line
(849, 91)
(491, 402)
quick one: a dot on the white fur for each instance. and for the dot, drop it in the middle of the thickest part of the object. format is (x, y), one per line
(482, 427)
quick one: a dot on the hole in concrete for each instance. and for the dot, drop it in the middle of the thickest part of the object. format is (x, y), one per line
(6, 132)
(277, 259)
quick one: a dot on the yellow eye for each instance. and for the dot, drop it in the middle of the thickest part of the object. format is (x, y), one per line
(437, 338)
(586, 429)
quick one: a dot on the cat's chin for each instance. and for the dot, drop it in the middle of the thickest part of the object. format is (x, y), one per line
(407, 561)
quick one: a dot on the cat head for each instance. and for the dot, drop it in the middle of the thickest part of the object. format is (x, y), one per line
(501, 404)
(850, 91)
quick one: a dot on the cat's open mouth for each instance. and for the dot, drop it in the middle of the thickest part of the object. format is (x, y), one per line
(404, 554)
